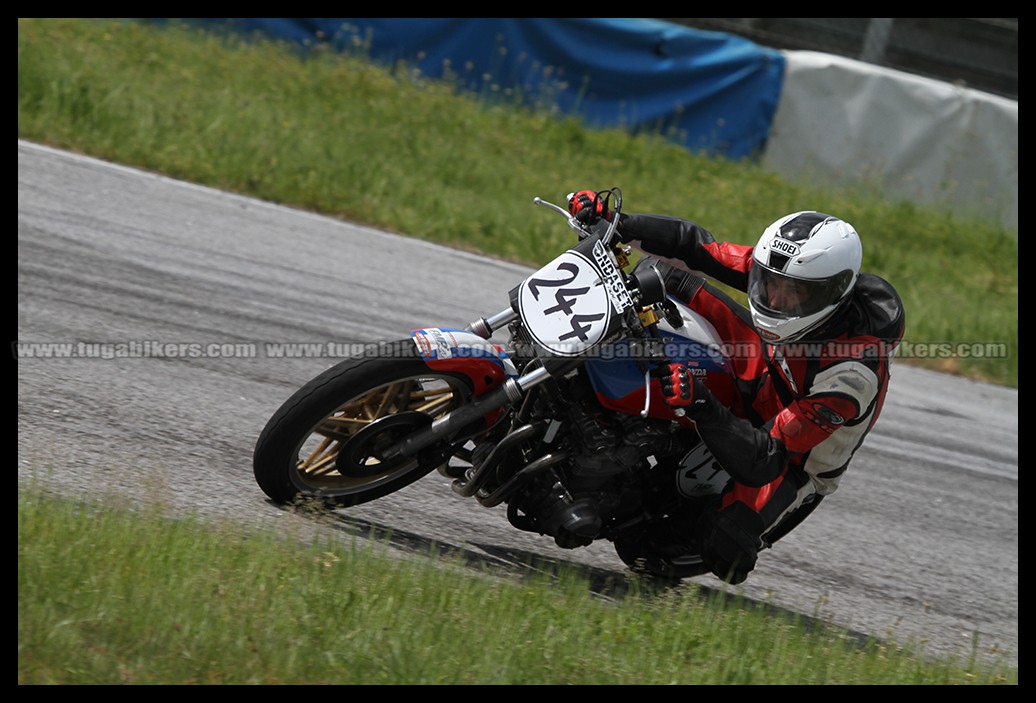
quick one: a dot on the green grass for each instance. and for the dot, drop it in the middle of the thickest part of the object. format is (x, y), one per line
(387, 147)
(109, 593)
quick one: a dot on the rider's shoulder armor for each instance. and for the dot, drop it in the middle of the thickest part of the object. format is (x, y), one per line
(876, 310)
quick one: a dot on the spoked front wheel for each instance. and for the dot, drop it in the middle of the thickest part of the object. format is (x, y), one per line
(330, 439)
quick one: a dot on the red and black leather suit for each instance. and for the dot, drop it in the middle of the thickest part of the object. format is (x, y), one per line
(805, 407)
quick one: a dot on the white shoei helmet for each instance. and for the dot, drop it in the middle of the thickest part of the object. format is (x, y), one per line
(815, 256)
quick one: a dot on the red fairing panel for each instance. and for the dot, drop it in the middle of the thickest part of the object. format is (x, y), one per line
(460, 351)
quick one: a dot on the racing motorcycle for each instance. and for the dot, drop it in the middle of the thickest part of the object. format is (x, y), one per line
(560, 419)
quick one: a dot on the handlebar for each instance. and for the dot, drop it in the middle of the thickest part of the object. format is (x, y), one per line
(578, 226)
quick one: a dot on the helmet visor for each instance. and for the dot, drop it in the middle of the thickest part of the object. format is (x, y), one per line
(786, 297)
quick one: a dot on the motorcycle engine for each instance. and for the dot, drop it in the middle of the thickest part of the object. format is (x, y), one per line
(605, 478)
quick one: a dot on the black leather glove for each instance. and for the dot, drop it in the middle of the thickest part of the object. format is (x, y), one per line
(588, 207)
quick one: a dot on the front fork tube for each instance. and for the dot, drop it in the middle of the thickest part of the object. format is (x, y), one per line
(485, 326)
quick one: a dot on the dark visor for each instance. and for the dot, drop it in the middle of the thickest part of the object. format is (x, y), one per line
(810, 295)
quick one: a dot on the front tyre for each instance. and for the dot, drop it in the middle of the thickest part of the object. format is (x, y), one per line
(326, 440)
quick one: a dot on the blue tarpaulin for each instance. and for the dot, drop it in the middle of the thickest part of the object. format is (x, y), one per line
(712, 92)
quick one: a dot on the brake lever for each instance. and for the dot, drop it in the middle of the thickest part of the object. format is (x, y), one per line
(679, 412)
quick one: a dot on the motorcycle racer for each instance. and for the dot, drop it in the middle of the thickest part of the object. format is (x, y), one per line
(813, 354)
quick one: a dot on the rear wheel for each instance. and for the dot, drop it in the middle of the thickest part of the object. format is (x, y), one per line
(329, 439)
(634, 554)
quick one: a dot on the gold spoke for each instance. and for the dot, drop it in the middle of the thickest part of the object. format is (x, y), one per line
(392, 392)
(405, 393)
(348, 420)
(436, 404)
(325, 466)
(304, 465)
(340, 428)
(333, 434)
(426, 392)
(353, 408)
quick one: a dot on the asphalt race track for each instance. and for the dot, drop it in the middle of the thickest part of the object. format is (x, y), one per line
(191, 294)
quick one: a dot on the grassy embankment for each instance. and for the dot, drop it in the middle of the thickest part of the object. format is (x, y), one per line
(108, 593)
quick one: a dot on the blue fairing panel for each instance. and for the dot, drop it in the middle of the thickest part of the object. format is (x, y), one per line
(615, 375)
(713, 92)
